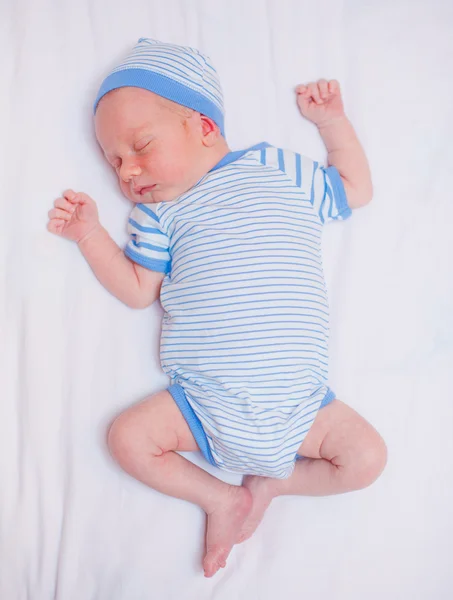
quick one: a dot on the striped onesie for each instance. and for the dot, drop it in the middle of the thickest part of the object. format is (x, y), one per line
(245, 329)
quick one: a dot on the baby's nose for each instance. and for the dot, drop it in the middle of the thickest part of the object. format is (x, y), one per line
(128, 171)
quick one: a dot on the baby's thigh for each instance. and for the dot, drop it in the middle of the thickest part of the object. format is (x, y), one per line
(156, 424)
(339, 430)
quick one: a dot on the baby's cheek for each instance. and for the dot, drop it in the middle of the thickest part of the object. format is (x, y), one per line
(175, 172)
(180, 168)
(124, 188)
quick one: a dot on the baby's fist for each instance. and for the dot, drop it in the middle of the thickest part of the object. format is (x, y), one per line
(320, 102)
(74, 216)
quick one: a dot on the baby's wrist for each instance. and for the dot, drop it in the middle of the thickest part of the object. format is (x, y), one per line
(337, 120)
(95, 230)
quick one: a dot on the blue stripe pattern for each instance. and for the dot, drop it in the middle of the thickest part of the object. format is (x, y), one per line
(178, 73)
(245, 329)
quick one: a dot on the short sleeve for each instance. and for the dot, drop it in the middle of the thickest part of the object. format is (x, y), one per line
(149, 244)
(322, 186)
(328, 196)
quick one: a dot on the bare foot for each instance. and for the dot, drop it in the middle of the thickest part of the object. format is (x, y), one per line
(262, 494)
(223, 526)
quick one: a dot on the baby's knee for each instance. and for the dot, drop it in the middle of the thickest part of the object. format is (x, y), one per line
(127, 439)
(372, 460)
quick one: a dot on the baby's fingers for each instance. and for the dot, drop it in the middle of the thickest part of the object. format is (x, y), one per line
(314, 92)
(58, 213)
(334, 86)
(77, 197)
(64, 204)
(323, 88)
(55, 226)
(70, 195)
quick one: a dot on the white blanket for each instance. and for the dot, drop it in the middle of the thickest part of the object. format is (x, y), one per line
(73, 526)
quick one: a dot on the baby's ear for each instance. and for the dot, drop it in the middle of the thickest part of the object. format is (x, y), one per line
(210, 131)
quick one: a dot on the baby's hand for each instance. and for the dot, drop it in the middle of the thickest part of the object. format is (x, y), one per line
(320, 102)
(74, 217)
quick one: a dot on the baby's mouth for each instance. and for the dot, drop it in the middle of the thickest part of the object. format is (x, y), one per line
(144, 190)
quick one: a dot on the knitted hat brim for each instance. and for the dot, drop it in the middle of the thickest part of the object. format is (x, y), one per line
(163, 86)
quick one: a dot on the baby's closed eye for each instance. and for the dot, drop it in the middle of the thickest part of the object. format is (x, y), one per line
(142, 144)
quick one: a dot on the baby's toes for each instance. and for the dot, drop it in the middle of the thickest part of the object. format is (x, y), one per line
(214, 560)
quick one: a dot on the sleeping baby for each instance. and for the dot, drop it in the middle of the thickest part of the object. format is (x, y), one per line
(230, 241)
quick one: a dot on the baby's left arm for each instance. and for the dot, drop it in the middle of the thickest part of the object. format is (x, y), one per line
(321, 103)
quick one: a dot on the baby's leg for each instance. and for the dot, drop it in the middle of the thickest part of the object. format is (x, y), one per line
(343, 453)
(144, 439)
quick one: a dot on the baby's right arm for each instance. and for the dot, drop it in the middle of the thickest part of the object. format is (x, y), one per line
(75, 217)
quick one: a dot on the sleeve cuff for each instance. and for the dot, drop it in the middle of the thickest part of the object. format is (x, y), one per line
(339, 192)
(161, 266)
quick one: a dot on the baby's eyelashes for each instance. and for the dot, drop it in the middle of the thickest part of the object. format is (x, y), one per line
(142, 144)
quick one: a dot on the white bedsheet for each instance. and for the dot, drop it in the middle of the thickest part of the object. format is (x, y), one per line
(72, 525)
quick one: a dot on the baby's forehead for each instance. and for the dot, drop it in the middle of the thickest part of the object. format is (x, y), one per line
(126, 96)
(130, 107)
(124, 113)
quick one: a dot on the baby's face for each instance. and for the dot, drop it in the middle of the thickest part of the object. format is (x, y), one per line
(152, 143)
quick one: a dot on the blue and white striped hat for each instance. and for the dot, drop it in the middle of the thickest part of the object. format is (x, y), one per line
(179, 73)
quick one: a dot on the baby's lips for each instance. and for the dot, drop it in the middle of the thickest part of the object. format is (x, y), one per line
(144, 189)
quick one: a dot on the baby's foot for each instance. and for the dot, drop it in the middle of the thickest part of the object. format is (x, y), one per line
(223, 526)
(262, 492)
